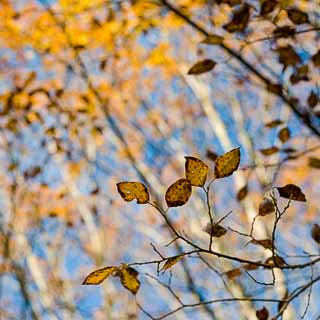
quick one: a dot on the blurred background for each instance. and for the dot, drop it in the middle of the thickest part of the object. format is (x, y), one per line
(97, 92)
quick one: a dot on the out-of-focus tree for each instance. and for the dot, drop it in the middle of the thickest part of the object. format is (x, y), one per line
(95, 95)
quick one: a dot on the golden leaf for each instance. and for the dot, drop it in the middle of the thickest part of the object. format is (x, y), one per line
(128, 278)
(226, 164)
(98, 276)
(171, 262)
(196, 171)
(178, 193)
(293, 192)
(133, 190)
(202, 66)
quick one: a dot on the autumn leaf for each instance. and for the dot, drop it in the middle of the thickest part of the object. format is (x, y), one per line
(133, 190)
(313, 99)
(266, 243)
(251, 266)
(288, 56)
(98, 276)
(213, 39)
(293, 192)
(277, 261)
(266, 207)
(216, 231)
(314, 162)
(268, 6)
(128, 278)
(242, 193)
(211, 155)
(269, 151)
(178, 193)
(284, 135)
(297, 16)
(202, 67)
(227, 163)
(233, 273)
(262, 314)
(273, 123)
(196, 171)
(171, 262)
(315, 233)
(316, 58)
(239, 20)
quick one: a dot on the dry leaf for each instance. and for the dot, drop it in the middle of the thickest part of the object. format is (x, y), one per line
(316, 59)
(314, 162)
(315, 233)
(239, 20)
(268, 6)
(242, 193)
(313, 99)
(266, 207)
(278, 261)
(293, 192)
(284, 32)
(287, 56)
(171, 262)
(273, 123)
(213, 39)
(269, 151)
(202, 66)
(98, 276)
(211, 155)
(216, 231)
(266, 243)
(262, 314)
(133, 190)
(233, 273)
(178, 193)
(284, 135)
(226, 164)
(297, 16)
(196, 171)
(251, 266)
(274, 88)
(129, 280)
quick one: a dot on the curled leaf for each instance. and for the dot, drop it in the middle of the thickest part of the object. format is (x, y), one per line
(171, 262)
(133, 190)
(128, 278)
(226, 164)
(98, 276)
(202, 66)
(315, 233)
(178, 193)
(266, 207)
(196, 171)
(293, 192)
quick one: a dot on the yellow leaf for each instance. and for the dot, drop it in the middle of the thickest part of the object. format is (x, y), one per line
(171, 262)
(98, 276)
(202, 66)
(196, 171)
(133, 190)
(129, 280)
(226, 164)
(178, 193)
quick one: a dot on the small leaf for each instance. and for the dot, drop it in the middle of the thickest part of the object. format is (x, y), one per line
(128, 278)
(274, 88)
(213, 39)
(98, 276)
(251, 266)
(32, 172)
(171, 262)
(273, 123)
(287, 56)
(269, 151)
(266, 207)
(297, 16)
(313, 99)
(314, 162)
(226, 164)
(284, 32)
(178, 193)
(284, 135)
(242, 193)
(262, 314)
(278, 261)
(217, 230)
(266, 243)
(293, 192)
(211, 155)
(315, 233)
(316, 58)
(268, 6)
(202, 66)
(239, 20)
(196, 171)
(233, 273)
(133, 190)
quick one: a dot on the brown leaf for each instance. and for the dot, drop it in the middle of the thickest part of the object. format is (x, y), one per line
(217, 231)
(128, 278)
(242, 193)
(269, 151)
(316, 58)
(266, 207)
(274, 88)
(98, 276)
(251, 266)
(315, 233)
(278, 261)
(32, 172)
(287, 56)
(289, 150)
(211, 155)
(239, 20)
(171, 262)
(227, 163)
(300, 74)
(297, 16)
(233, 273)
(268, 6)
(293, 192)
(196, 171)
(213, 39)
(273, 123)
(178, 193)
(313, 99)
(284, 32)
(284, 134)
(262, 314)
(266, 243)
(202, 66)
(314, 162)
(133, 190)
